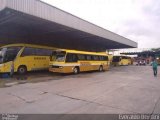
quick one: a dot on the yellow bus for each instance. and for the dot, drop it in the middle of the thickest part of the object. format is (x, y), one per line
(24, 57)
(121, 60)
(72, 61)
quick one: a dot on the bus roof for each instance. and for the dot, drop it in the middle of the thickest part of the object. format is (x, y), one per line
(83, 52)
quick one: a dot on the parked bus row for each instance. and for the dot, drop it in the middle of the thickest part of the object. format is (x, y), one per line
(25, 57)
(22, 58)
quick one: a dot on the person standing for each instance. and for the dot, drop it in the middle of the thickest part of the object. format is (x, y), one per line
(155, 67)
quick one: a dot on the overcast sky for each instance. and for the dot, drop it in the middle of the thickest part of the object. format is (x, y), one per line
(138, 20)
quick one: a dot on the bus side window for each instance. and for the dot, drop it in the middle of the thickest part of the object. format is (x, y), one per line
(101, 58)
(75, 58)
(81, 57)
(28, 52)
(89, 57)
(43, 52)
(96, 58)
(105, 58)
(71, 57)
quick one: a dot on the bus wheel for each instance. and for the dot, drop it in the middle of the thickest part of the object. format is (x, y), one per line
(100, 68)
(22, 70)
(76, 70)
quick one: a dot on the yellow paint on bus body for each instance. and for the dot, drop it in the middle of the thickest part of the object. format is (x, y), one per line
(82, 65)
(121, 60)
(37, 61)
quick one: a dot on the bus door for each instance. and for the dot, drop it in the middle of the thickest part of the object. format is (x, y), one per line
(71, 62)
(82, 61)
(27, 58)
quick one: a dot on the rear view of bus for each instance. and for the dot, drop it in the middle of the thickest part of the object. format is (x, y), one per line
(71, 61)
(24, 57)
(121, 60)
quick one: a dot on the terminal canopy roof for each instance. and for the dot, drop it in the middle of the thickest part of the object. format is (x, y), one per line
(144, 53)
(35, 22)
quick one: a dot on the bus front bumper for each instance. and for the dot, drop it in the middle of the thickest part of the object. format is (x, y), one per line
(57, 70)
(68, 69)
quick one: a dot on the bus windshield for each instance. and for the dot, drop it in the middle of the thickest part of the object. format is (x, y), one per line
(1, 56)
(8, 54)
(58, 56)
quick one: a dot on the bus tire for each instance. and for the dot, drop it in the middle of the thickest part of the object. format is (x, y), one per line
(75, 70)
(22, 69)
(100, 68)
